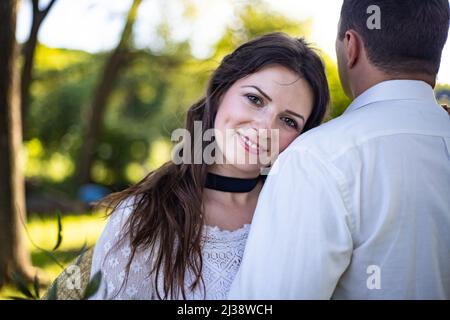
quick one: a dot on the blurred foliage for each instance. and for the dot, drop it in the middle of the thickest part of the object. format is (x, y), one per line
(52, 254)
(254, 20)
(339, 101)
(443, 93)
(149, 101)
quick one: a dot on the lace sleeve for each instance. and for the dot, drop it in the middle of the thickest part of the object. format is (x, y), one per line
(111, 257)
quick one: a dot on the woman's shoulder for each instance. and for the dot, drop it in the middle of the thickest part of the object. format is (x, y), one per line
(124, 209)
(111, 255)
(115, 228)
(119, 216)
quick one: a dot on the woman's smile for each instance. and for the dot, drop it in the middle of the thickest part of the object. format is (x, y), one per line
(250, 145)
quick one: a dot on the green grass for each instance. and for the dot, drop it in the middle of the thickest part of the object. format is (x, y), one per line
(76, 231)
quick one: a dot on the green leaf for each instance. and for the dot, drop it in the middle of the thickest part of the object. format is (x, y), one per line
(93, 285)
(21, 285)
(59, 239)
(36, 286)
(81, 253)
(53, 293)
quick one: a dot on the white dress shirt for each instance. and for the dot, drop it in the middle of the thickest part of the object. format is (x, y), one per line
(358, 208)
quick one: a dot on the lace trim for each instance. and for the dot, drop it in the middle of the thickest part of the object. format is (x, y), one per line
(216, 234)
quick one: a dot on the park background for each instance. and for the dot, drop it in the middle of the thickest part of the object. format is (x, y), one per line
(103, 85)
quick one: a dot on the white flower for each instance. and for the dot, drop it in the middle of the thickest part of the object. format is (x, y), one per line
(111, 287)
(107, 246)
(131, 291)
(136, 267)
(122, 275)
(126, 251)
(113, 262)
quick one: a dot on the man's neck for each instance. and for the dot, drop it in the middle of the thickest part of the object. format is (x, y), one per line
(365, 83)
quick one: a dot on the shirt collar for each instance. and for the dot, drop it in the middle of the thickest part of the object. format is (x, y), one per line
(394, 90)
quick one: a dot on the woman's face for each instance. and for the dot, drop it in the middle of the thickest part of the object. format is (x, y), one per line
(258, 117)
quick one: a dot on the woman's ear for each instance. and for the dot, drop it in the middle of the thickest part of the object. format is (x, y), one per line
(352, 47)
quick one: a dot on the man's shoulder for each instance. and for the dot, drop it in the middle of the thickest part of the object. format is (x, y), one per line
(329, 137)
(359, 127)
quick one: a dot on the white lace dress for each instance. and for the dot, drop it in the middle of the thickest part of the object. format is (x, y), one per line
(222, 254)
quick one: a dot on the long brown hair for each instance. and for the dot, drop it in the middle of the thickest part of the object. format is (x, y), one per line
(167, 214)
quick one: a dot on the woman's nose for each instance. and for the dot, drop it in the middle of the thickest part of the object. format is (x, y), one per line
(265, 120)
(264, 127)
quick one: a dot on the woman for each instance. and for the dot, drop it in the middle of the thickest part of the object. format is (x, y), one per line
(180, 232)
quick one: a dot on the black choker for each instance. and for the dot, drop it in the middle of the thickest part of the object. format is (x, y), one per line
(229, 184)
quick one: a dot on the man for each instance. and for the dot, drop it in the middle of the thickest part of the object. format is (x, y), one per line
(359, 208)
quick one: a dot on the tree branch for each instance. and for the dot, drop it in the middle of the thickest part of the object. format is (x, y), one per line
(35, 6)
(49, 6)
(39, 14)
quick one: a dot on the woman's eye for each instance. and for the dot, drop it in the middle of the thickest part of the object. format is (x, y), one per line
(291, 123)
(254, 99)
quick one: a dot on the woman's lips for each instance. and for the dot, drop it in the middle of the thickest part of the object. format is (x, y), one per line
(249, 145)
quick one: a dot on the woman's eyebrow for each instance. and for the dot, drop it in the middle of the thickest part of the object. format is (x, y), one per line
(295, 114)
(260, 91)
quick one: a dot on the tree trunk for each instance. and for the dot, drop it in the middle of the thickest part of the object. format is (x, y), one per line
(28, 57)
(14, 255)
(103, 90)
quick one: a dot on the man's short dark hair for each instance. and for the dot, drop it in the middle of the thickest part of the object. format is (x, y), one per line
(411, 37)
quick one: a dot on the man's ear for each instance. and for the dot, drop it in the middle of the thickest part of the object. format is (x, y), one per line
(352, 47)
